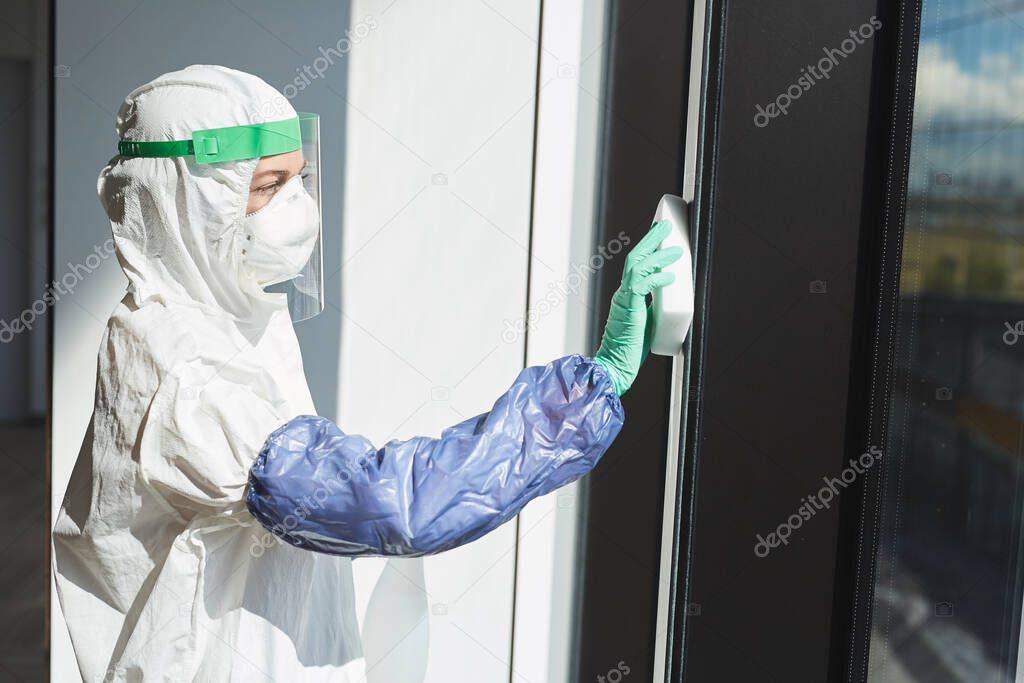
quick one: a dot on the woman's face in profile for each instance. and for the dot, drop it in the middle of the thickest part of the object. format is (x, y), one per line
(271, 173)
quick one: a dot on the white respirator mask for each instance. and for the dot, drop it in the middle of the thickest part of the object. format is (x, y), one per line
(279, 238)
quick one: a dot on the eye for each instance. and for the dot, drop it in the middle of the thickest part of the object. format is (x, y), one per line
(268, 189)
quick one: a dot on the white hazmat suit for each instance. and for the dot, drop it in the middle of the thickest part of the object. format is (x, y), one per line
(153, 546)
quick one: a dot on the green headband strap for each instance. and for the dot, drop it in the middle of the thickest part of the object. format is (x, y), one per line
(223, 144)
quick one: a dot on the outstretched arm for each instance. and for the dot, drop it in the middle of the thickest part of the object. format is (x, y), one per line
(321, 489)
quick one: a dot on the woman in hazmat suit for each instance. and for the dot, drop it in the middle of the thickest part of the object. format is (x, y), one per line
(204, 442)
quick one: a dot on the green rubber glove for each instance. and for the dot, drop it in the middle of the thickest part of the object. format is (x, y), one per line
(626, 340)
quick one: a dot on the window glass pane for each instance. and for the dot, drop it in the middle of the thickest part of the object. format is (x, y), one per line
(948, 588)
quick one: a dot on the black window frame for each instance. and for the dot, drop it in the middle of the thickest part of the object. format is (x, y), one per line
(827, 629)
(830, 644)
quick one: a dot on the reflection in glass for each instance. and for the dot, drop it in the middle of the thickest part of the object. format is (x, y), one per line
(948, 588)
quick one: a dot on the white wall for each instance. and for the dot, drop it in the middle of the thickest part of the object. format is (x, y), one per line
(438, 175)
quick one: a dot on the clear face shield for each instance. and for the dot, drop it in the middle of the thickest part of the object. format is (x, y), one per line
(283, 239)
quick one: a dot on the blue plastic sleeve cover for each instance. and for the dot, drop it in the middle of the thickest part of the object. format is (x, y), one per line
(320, 489)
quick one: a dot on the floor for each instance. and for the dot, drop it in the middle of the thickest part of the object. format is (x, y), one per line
(24, 584)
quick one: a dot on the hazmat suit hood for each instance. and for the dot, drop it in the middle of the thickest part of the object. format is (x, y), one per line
(161, 572)
(177, 224)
